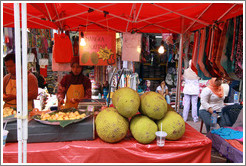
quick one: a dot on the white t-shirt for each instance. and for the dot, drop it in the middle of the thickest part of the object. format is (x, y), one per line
(209, 99)
(191, 87)
(159, 88)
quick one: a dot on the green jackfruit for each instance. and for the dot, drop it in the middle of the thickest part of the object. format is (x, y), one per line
(126, 101)
(143, 129)
(173, 124)
(111, 126)
(153, 105)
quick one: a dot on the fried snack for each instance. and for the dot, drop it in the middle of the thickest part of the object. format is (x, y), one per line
(7, 111)
(63, 116)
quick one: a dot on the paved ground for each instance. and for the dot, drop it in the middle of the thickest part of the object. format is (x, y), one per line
(215, 156)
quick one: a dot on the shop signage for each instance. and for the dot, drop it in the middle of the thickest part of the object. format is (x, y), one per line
(131, 47)
(99, 49)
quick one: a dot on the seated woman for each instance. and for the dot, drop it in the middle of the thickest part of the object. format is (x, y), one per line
(147, 86)
(212, 98)
(163, 90)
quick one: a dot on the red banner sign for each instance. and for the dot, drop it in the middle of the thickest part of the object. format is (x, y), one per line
(99, 49)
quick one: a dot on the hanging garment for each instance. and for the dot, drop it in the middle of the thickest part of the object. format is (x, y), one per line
(226, 53)
(76, 46)
(194, 53)
(207, 50)
(43, 66)
(62, 49)
(31, 62)
(202, 72)
(239, 54)
(220, 51)
(214, 49)
(60, 66)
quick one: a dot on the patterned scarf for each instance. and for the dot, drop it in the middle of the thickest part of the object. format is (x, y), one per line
(218, 90)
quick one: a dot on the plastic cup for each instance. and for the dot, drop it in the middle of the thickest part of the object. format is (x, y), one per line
(5, 134)
(160, 138)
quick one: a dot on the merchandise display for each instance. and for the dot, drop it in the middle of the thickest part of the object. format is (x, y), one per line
(100, 73)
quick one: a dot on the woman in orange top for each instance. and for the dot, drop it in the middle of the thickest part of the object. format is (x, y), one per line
(9, 84)
(74, 86)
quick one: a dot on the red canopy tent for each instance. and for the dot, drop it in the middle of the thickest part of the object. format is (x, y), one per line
(124, 17)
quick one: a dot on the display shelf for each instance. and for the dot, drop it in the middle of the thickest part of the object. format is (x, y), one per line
(153, 79)
(149, 64)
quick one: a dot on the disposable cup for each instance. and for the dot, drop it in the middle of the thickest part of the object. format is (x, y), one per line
(160, 138)
(5, 134)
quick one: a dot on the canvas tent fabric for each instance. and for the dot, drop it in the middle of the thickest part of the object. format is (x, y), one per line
(124, 17)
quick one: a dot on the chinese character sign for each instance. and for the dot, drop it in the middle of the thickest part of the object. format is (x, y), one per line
(99, 49)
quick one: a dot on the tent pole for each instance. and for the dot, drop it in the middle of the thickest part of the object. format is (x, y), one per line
(177, 100)
(226, 12)
(48, 11)
(14, 22)
(149, 18)
(138, 12)
(25, 82)
(18, 79)
(198, 17)
(129, 15)
(96, 23)
(200, 21)
(163, 27)
(64, 18)
(122, 18)
(33, 21)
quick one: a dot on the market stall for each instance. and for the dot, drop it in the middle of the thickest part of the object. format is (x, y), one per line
(192, 148)
(131, 18)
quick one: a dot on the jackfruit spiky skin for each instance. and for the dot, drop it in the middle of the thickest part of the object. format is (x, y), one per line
(126, 101)
(153, 105)
(111, 126)
(173, 124)
(143, 129)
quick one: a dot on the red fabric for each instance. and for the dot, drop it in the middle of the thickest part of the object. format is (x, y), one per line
(150, 14)
(194, 54)
(201, 53)
(193, 147)
(235, 144)
(62, 49)
(220, 52)
(43, 71)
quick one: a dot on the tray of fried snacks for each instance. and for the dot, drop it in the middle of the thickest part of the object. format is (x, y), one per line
(63, 117)
(9, 114)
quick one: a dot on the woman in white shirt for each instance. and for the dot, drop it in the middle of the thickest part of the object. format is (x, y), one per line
(163, 90)
(212, 98)
(191, 91)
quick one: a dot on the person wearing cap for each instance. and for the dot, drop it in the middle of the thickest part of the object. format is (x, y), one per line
(9, 84)
(74, 86)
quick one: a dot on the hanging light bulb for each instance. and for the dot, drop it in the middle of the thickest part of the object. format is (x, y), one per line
(161, 49)
(82, 40)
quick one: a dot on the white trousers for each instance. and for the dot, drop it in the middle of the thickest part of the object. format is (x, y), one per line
(186, 103)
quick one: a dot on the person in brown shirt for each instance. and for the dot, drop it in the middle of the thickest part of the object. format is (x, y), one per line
(9, 84)
(74, 86)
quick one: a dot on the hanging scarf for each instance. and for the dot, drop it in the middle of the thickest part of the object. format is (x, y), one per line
(218, 90)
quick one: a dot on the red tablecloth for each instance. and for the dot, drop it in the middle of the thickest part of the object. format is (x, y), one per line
(193, 147)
